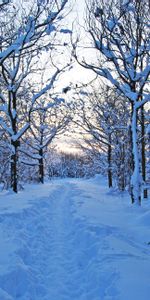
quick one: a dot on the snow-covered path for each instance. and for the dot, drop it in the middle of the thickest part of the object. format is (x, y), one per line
(71, 244)
(60, 249)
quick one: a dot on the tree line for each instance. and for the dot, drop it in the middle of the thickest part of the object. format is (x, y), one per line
(113, 116)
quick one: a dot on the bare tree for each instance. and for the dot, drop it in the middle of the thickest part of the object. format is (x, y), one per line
(22, 41)
(48, 121)
(104, 118)
(120, 35)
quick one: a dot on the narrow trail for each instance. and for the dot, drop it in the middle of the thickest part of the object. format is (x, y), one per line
(56, 252)
(65, 250)
(61, 256)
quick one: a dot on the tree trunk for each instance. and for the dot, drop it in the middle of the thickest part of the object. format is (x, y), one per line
(14, 144)
(41, 167)
(109, 157)
(135, 178)
(145, 194)
(131, 164)
(14, 169)
(122, 168)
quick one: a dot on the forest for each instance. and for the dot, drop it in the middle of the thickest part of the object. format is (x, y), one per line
(74, 150)
(107, 117)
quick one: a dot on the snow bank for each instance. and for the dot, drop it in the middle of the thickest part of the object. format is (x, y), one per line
(73, 240)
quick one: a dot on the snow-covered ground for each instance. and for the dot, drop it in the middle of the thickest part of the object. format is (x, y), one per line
(73, 240)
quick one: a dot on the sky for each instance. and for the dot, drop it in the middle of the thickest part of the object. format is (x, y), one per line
(77, 75)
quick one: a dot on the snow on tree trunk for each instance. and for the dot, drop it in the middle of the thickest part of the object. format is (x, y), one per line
(109, 163)
(136, 177)
(41, 167)
(143, 154)
(14, 168)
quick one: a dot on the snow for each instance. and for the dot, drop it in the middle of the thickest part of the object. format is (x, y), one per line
(3, 107)
(66, 31)
(50, 28)
(73, 239)
(148, 129)
(5, 127)
(18, 135)
(112, 23)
